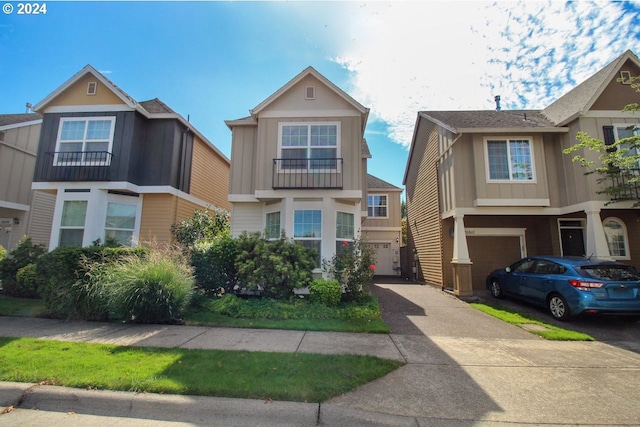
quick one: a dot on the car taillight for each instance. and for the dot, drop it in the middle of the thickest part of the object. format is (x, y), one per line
(585, 286)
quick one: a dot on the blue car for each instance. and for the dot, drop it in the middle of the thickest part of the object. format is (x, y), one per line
(569, 286)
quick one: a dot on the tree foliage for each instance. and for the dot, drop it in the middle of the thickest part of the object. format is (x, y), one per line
(618, 167)
(205, 225)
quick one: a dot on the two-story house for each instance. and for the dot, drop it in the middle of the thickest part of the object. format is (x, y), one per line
(299, 166)
(19, 134)
(120, 169)
(485, 188)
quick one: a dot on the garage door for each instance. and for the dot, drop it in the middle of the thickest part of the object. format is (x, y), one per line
(489, 253)
(384, 259)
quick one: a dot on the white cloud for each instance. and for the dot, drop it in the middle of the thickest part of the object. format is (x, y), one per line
(409, 56)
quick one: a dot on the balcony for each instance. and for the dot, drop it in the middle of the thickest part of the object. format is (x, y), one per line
(624, 185)
(307, 174)
(76, 166)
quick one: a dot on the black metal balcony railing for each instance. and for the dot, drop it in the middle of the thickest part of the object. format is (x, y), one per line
(76, 166)
(625, 185)
(307, 174)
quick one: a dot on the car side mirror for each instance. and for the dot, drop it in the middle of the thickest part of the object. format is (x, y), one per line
(508, 269)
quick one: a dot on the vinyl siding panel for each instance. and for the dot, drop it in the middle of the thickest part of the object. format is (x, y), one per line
(246, 217)
(209, 176)
(41, 217)
(158, 214)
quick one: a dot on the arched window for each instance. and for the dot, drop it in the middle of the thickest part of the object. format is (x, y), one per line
(616, 235)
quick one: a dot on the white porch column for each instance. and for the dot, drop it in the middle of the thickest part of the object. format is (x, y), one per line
(596, 244)
(460, 249)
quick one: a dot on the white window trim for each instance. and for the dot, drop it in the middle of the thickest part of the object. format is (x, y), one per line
(112, 119)
(353, 215)
(92, 88)
(387, 205)
(264, 226)
(582, 226)
(624, 235)
(486, 140)
(338, 167)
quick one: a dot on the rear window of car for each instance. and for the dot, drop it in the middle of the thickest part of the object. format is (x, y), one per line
(610, 272)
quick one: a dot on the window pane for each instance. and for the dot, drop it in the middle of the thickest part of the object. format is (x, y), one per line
(294, 136)
(72, 131)
(120, 215)
(315, 246)
(498, 161)
(614, 234)
(123, 237)
(99, 129)
(97, 146)
(324, 135)
(273, 225)
(520, 160)
(73, 213)
(71, 237)
(307, 224)
(344, 226)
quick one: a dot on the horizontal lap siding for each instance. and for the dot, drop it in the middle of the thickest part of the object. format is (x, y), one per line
(246, 217)
(209, 176)
(41, 217)
(158, 214)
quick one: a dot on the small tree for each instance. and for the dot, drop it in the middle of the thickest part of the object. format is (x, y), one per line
(353, 267)
(25, 253)
(203, 226)
(619, 161)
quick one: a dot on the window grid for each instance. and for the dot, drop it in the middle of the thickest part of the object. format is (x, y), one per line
(78, 136)
(307, 230)
(616, 239)
(377, 206)
(308, 143)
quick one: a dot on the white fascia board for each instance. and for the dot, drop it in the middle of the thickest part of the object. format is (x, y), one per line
(109, 108)
(23, 124)
(242, 198)
(15, 206)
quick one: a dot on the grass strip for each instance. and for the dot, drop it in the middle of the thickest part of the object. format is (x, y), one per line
(547, 331)
(299, 377)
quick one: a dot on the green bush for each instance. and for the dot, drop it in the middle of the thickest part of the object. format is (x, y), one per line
(68, 279)
(25, 253)
(202, 227)
(27, 287)
(327, 292)
(156, 289)
(274, 268)
(353, 267)
(3, 253)
(214, 264)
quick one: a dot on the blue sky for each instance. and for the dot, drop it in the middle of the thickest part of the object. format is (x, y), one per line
(214, 61)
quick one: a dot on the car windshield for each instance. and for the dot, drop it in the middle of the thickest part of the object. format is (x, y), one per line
(609, 272)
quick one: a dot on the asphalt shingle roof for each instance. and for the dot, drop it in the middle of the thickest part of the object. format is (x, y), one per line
(155, 106)
(378, 184)
(491, 119)
(12, 119)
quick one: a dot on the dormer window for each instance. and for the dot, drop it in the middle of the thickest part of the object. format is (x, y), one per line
(92, 88)
(310, 92)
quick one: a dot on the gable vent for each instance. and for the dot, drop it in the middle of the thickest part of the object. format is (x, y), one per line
(625, 77)
(92, 88)
(310, 92)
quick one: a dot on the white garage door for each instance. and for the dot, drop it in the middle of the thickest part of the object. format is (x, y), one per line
(384, 259)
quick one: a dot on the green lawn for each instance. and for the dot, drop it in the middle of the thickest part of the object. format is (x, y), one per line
(542, 329)
(256, 375)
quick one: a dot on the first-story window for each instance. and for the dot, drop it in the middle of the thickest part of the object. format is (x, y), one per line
(74, 213)
(272, 227)
(345, 230)
(510, 160)
(307, 230)
(120, 223)
(616, 236)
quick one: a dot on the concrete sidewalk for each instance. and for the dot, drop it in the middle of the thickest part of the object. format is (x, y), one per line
(463, 368)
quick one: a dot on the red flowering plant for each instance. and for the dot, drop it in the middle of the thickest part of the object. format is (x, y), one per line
(353, 267)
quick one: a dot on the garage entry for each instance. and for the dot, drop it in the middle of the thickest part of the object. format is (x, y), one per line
(489, 252)
(384, 259)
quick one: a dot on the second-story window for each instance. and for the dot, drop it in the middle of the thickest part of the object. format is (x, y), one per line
(624, 131)
(377, 205)
(312, 146)
(509, 160)
(84, 141)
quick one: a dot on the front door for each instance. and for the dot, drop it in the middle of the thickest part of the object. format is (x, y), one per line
(572, 241)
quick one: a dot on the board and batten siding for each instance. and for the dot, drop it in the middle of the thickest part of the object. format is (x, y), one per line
(209, 175)
(18, 149)
(423, 206)
(243, 164)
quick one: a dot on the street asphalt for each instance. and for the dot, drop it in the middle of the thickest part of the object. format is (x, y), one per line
(462, 368)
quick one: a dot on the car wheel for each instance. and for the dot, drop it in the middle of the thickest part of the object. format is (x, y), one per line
(558, 307)
(496, 289)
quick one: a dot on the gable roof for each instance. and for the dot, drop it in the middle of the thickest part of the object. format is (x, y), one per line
(489, 120)
(14, 120)
(364, 111)
(152, 109)
(580, 99)
(376, 183)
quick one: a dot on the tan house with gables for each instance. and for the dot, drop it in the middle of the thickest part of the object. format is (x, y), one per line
(485, 188)
(299, 165)
(110, 167)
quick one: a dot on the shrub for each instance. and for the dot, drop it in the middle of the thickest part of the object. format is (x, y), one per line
(25, 253)
(3, 253)
(67, 279)
(327, 292)
(214, 264)
(353, 267)
(156, 289)
(274, 268)
(203, 226)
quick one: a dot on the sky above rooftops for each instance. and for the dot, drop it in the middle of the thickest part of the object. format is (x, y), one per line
(214, 61)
